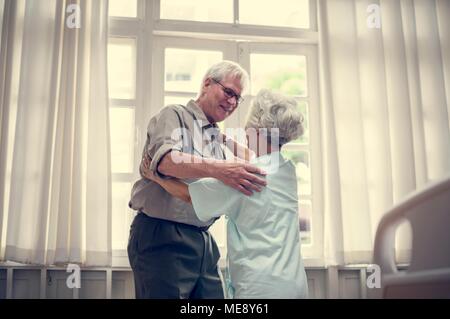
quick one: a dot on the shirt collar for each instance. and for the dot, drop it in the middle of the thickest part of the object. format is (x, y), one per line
(199, 115)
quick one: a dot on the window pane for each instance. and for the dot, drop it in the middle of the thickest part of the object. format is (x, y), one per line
(285, 73)
(121, 215)
(122, 139)
(123, 8)
(198, 10)
(184, 69)
(221, 126)
(305, 218)
(280, 13)
(122, 68)
(302, 169)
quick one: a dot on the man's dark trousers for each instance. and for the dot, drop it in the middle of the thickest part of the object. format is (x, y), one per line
(172, 260)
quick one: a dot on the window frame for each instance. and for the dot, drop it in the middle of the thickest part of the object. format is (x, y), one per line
(166, 26)
(153, 35)
(134, 28)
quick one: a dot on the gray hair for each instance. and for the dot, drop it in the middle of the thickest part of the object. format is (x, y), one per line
(221, 70)
(272, 110)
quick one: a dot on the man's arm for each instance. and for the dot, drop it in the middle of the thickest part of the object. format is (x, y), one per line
(176, 188)
(240, 176)
(165, 147)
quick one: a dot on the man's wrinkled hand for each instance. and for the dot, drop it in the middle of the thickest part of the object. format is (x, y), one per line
(240, 176)
(145, 168)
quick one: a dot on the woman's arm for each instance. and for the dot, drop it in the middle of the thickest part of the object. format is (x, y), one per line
(174, 187)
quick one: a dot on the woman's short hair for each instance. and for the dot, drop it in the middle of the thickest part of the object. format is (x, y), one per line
(271, 110)
(225, 68)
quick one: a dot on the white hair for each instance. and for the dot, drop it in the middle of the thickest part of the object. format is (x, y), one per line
(272, 110)
(221, 70)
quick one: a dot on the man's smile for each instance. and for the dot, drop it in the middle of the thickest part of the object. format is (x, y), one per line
(226, 109)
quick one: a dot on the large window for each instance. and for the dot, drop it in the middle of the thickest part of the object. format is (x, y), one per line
(158, 53)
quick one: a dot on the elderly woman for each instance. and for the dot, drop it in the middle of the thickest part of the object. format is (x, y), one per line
(264, 258)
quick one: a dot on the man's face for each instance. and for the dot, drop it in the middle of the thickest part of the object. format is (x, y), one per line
(217, 105)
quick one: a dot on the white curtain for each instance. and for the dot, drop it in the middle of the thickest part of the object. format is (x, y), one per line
(2, 6)
(385, 100)
(55, 190)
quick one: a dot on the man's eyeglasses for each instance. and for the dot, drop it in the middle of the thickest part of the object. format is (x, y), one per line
(230, 93)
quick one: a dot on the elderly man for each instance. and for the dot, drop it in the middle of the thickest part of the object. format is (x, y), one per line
(171, 252)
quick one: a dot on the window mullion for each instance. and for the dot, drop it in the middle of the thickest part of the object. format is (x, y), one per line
(180, 94)
(156, 10)
(124, 27)
(236, 11)
(125, 103)
(297, 147)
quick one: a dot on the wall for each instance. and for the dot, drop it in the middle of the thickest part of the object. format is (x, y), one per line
(117, 283)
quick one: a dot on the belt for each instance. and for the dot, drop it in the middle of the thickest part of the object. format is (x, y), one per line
(200, 228)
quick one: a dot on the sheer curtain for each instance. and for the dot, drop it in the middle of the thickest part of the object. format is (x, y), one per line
(385, 100)
(55, 179)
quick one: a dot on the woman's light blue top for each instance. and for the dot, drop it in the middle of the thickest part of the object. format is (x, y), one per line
(264, 258)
